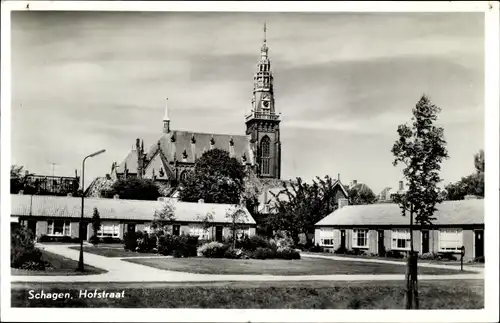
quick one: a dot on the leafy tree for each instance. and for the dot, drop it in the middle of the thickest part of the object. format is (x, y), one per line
(361, 194)
(421, 148)
(299, 206)
(472, 184)
(163, 217)
(18, 180)
(217, 178)
(96, 225)
(479, 161)
(238, 219)
(133, 189)
(206, 221)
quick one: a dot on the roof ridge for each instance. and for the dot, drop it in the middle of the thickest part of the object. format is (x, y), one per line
(210, 133)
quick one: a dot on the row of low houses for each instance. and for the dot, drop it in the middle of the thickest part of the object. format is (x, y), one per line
(378, 228)
(375, 228)
(60, 216)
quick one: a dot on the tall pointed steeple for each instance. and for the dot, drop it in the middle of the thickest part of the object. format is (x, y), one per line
(166, 119)
(264, 49)
(263, 121)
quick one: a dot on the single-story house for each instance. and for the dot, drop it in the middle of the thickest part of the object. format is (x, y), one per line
(378, 228)
(60, 216)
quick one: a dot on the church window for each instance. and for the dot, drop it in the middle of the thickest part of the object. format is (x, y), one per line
(265, 148)
(183, 176)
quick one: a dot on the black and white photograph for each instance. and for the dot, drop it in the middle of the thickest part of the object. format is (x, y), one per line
(171, 158)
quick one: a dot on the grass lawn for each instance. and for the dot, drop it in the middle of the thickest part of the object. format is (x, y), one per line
(60, 266)
(465, 294)
(112, 252)
(305, 266)
(423, 261)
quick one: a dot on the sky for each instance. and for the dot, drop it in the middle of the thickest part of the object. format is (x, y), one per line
(85, 81)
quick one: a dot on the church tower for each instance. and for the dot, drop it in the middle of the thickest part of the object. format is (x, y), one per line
(263, 123)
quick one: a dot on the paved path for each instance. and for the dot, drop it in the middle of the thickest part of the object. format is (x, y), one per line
(123, 271)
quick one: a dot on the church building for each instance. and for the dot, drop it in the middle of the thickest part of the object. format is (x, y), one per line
(168, 159)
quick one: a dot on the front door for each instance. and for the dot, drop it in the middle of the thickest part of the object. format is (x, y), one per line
(218, 233)
(130, 227)
(425, 241)
(83, 231)
(381, 245)
(176, 230)
(479, 243)
(342, 239)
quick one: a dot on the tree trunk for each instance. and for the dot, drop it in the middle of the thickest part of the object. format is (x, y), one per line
(411, 272)
(409, 267)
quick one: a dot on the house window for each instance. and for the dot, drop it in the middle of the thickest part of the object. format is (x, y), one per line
(450, 240)
(198, 231)
(265, 149)
(326, 237)
(360, 238)
(241, 233)
(108, 230)
(58, 228)
(401, 239)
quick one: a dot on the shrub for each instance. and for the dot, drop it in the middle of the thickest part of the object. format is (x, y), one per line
(316, 248)
(448, 256)
(23, 253)
(253, 242)
(94, 239)
(479, 259)
(110, 240)
(46, 238)
(340, 250)
(232, 253)
(394, 254)
(429, 256)
(178, 246)
(213, 249)
(186, 246)
(284, 243)
(264, 253)
(287, 253)
(130, 240)
(146, 242)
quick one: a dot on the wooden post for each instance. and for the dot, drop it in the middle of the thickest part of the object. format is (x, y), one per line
(415, 279)
(409, 285)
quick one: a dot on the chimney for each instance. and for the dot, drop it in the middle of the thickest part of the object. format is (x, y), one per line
(338, 177)
(470, 197)
(343, 202)
(354, 182)
(166, 119)
(201, 201)
(116, 197)
(401, 186)
(21, 192)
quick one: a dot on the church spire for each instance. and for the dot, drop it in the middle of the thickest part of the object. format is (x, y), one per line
(166, 119)
(264, 48)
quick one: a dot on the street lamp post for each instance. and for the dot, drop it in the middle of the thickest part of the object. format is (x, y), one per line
(80, 261)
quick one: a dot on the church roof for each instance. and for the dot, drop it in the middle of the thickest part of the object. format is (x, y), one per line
(177, 144)
(130, 161)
